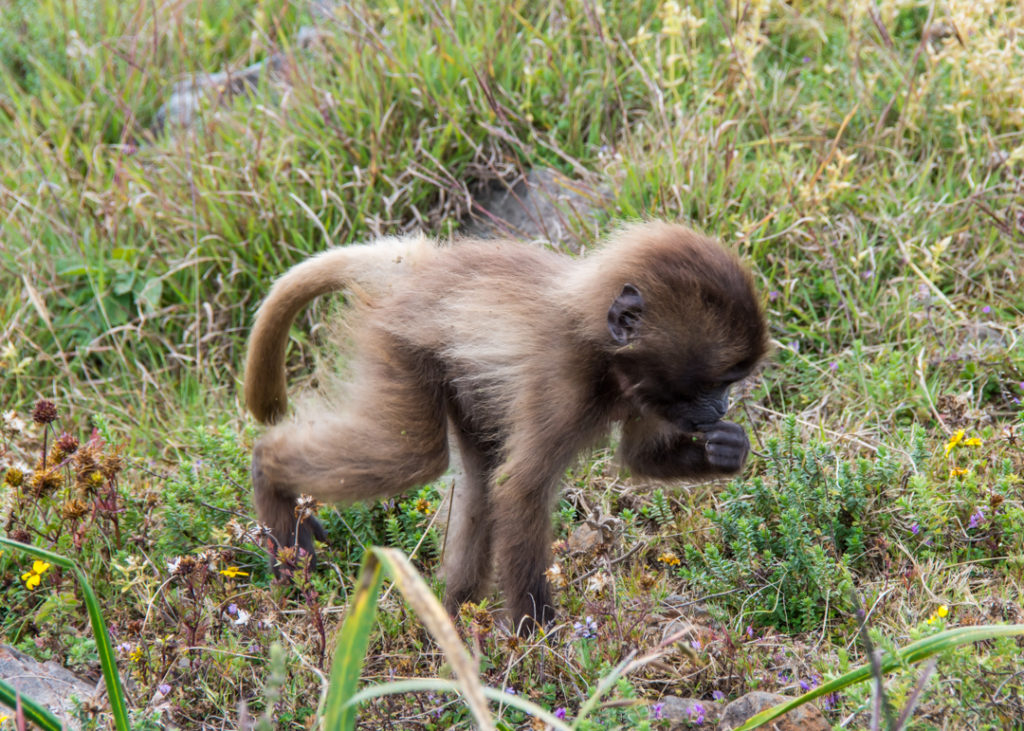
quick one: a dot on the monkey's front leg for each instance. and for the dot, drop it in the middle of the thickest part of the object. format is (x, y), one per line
(467, 546)
(522, 503)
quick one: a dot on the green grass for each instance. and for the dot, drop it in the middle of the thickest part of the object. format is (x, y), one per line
(871, 179)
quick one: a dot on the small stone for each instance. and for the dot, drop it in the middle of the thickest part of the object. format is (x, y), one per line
(804, 718)
(585, 539)
(680, 712)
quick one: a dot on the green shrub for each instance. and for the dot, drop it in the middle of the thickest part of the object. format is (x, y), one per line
(789, 538)
(205, 492)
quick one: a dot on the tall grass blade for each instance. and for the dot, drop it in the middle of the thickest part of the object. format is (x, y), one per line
(353, 640)
(439, 685)
(340, 705)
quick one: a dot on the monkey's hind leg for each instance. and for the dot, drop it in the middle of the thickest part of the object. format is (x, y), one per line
(393, 437)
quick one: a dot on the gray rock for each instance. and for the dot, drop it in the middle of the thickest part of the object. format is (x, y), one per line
(542, 205)
(188, 96)
(46, 683)
(804, 718)
(684, 713)
(182, 108)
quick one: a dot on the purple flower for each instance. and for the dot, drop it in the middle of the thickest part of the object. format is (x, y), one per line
(560, 714)
(124, 647)
(656, 710)
(833, 366)
(585, 630)
(986, 309)
(696, 714)
(773, 295)
(811, 682)
(695, 644)
(232, 609)
(750, 632)
(806, 59)
(831, 701)
(977, 519)
(163, 689)
(914, 528)
(718, 695)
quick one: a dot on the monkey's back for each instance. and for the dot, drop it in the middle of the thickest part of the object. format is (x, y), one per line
(486, 314)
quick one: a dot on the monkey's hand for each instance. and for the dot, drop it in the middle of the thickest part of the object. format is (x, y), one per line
(726, 446)
(655, 448)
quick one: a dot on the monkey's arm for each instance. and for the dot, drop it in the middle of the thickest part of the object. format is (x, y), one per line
(655, 448)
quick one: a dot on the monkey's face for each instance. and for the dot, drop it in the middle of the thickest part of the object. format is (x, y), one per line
(686, 393)
(680, 368)
(679, 350)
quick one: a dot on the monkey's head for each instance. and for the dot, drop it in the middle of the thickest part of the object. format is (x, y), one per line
(683, 325)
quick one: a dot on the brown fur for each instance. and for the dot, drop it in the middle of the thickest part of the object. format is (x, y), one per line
(511, 345)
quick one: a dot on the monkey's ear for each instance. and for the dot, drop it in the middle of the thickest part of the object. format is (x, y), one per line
(624, 315)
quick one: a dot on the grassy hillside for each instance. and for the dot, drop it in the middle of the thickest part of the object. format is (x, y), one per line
(866, 159)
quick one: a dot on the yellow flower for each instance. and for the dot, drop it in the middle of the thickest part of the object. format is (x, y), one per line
(972, 442)
(939, 613)
(954, 440)
(669, 558)
(423, 506)
(957, 472)
(135, 655)
(232, 572)
(35, 576)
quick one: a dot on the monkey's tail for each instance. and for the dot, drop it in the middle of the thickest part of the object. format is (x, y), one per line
(369, 267)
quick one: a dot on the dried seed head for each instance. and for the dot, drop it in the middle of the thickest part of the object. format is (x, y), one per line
(111, 465)
(186, 565)
(45, 481)
(45, 412)
(73, 509)
(87, 456)
(306, 507)
(88, 481)
(20, 534)
(67, 443)
(482, 620)
(56, 456)
(14, 477)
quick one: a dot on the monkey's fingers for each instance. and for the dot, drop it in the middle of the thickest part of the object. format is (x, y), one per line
(727, 447)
